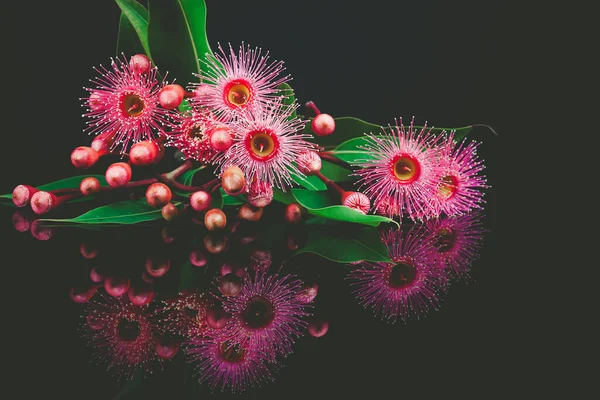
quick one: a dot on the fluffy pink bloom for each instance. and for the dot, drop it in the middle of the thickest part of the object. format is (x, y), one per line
(457, 241)
(186, 314)
(402, 171)
(191, 135)
(222, 364)
(411, 285)
(461, 185)
(266, 144)
(122, 335)
(267, 314)
(238, 82)
(124, 104)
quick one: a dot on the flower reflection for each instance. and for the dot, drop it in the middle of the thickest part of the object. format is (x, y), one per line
(122, 335)
(457, 241)
(231, 306)
(411, 285)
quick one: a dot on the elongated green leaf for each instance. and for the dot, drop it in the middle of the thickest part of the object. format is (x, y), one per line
(335, 172)
(321, 205)
(347, 128)
(177, 36)
(138, 19)
(346, 245)
(128, 42)
(67, 183)
(283, 197)
(188, 176)
(309, 182)
(289, 98)
(231, 200)
(123, 212)
(352, 150)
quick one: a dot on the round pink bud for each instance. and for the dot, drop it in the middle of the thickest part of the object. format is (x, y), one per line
(83, 294)
(166, 349)
(140, 296)
(200, 201)
(42, 202)
(217, 317)
(102, 145)
(20, 222)
(89, 186)
(308, 293)
(118, 174)
(230, 284)
(139, 64)
(293, 213)
(358, 201)
(221, 138)
(309, 162)
(84, 157)
(323, 125)
(41, 232)
(87, 251)
(169, 212)
(198, 258)
(22, 194)
(116, 287)
(171, 96)
(143, 153)
(157, 267)
(95, 101)
(215, 219)
(250, 213)
(158, 195)
(233, 181)
(95, 276)
(215, 244)
(260, 194)
(318, 328)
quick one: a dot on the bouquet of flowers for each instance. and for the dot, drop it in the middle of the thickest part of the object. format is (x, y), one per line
(232, 144)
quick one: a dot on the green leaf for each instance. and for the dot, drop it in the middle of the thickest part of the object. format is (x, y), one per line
(320, 204)
(128, 41)
(309, 182)
(216, 199)
(138, 18)
(335, 172)
(231, 200)
(124, 213)
(177, 36)
(289, 98)
(67, 183)
(347, 128)
(345, 245)
(188, 176)
(283, 197)
(352, 150)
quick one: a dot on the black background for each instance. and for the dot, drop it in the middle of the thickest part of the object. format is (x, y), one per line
(448, 63)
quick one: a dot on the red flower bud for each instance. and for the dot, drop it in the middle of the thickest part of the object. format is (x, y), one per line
(158, 195)
(293, 213)
(171, 96)
(250, 213)
(169, 212)
(143, 153)
(323, 125)
(233, 181)
(84, 157)
(221, 138)
(22, 195)
(200, 201)
(140, 64)
(215, 219)
(89, 186)
(118, 174)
